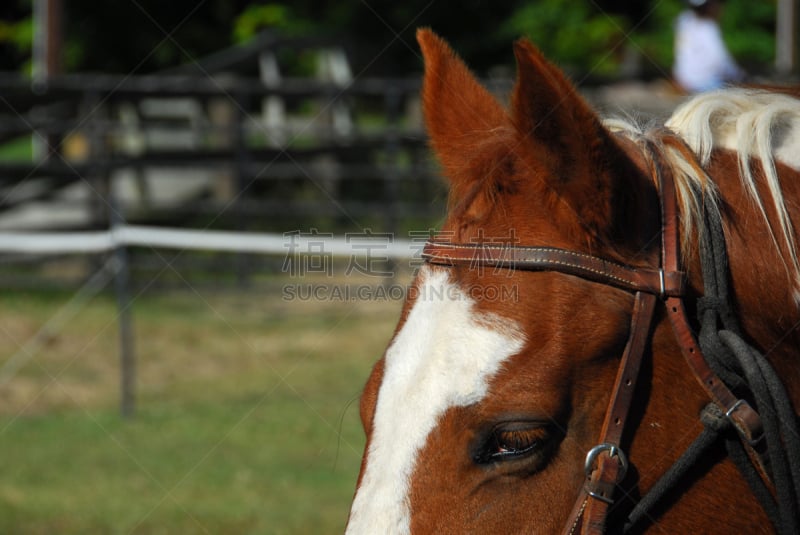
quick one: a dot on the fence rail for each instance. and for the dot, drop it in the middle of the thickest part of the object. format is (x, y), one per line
(251, 149)
(88, 242)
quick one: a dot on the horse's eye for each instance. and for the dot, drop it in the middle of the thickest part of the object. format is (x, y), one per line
(512, 440)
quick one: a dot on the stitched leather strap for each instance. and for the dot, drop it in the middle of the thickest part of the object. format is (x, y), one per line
(744, 418)
(606, 464)
(611, 469)
(654, 281)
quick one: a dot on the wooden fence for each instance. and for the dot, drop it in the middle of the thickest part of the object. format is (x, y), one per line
(221, 146)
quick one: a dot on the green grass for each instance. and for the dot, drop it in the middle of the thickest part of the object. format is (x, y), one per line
(247, 417)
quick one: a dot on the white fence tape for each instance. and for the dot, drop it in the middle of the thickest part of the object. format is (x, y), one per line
(55, 242)
(376, 245)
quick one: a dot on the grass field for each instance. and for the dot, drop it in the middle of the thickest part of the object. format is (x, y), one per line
(247, 414)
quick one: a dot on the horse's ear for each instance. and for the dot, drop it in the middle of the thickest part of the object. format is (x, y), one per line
(459, 111)
(547, 109)
(588, 170)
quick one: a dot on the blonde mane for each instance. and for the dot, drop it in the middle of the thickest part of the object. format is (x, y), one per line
(760, 126)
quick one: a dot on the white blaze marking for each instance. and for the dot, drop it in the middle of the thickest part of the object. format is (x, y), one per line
(443, 357)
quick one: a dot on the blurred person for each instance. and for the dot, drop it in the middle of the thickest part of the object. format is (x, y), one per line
(702, 61)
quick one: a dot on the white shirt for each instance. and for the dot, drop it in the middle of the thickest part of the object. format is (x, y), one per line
(702, 62)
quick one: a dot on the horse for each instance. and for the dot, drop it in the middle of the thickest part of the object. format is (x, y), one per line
(585, 348)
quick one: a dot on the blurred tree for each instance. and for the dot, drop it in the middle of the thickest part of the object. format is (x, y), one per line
(583, 35)
(577, 34)
(145, 35)
(16, 35)
(748, 29)
(273, 16)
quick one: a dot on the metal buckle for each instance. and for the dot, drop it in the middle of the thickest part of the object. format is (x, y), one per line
(591, 459)
(613, 451)
(598, 496)
(735, 406)
(753, 433)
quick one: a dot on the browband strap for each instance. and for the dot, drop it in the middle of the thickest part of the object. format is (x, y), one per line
(648, 280)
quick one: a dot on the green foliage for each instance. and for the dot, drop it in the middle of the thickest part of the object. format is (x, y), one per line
(267, 16)
(17, 37)
(19, 33)
(586, 36)
(581, 36)
(575, 34)
(17, 150)
(654, 38)
(748, 29)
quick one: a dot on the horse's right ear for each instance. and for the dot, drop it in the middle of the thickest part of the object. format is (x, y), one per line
(459, 111)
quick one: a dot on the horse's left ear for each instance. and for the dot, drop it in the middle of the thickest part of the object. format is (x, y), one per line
(546, 107)
(588, 170)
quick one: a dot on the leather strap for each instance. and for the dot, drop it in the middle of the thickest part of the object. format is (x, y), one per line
(606, 464)
(654, 281)
(744, 418)
(611, 470)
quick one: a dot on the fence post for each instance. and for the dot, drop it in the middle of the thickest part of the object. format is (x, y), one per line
(786, 43)
(393, 103)
(127, 353)
(105, 209)
(243, 181)
(47, 64)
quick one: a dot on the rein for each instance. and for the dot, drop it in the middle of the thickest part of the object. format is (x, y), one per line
(606, 463)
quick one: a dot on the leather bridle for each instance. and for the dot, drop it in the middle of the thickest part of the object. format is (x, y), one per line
(606, 463)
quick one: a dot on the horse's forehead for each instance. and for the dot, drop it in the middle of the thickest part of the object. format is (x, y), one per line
(444, 356)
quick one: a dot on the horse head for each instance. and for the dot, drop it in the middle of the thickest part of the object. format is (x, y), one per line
(495, 386)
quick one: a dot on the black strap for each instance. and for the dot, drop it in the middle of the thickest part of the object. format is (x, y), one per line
(749, 373)
(717, 426)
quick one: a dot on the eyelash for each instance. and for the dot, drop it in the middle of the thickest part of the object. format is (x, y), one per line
(511, 441)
